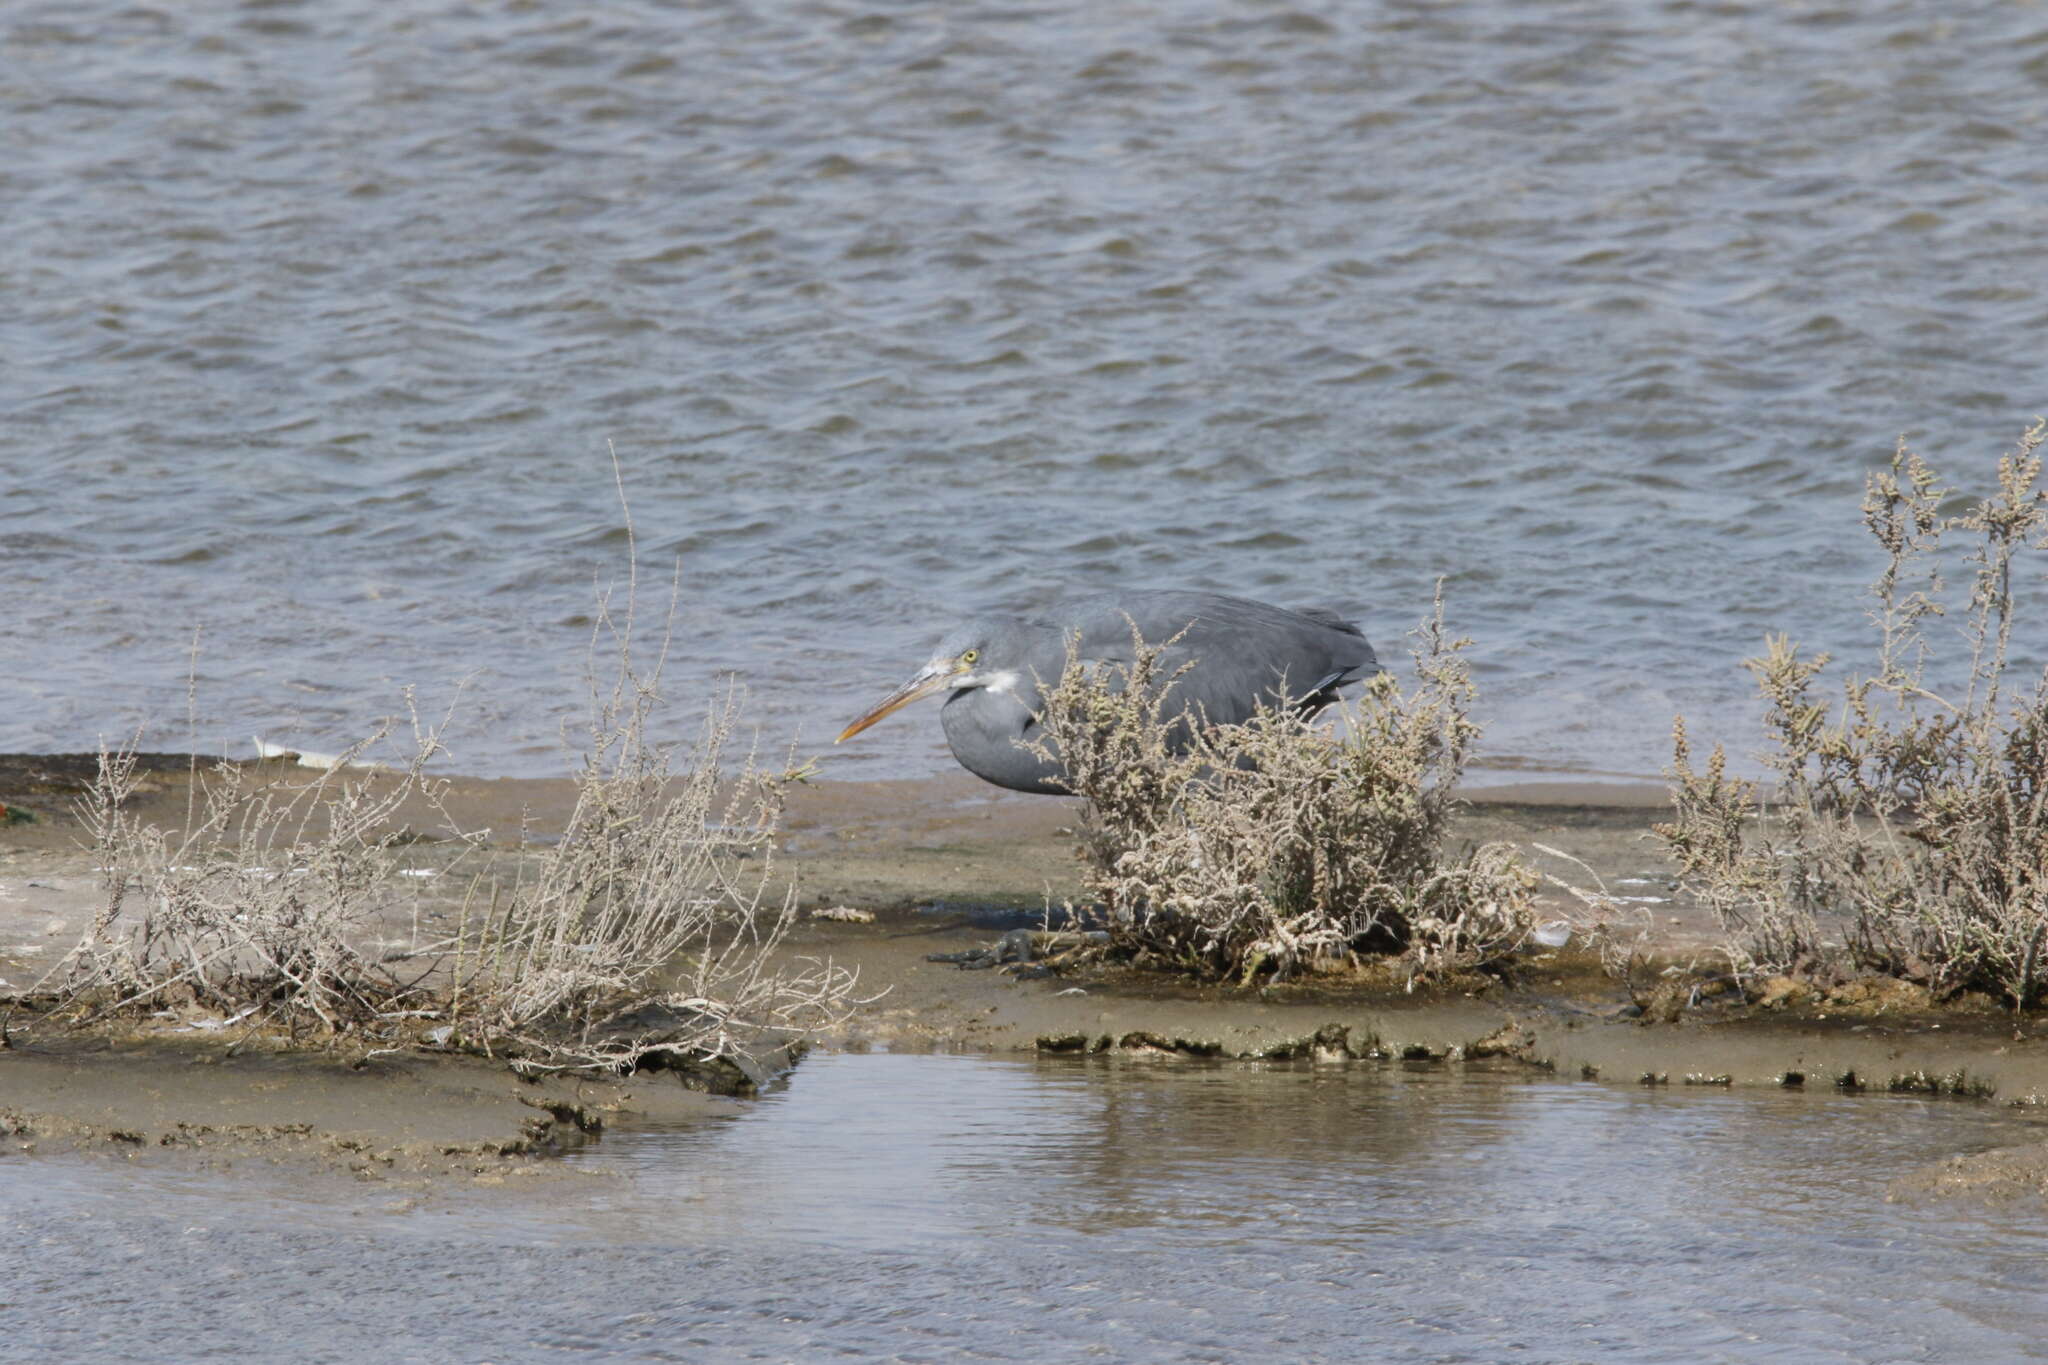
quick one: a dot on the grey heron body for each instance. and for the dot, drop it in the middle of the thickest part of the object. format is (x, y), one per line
(1236, 652)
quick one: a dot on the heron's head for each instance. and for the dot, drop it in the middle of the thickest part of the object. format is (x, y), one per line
(962, 660)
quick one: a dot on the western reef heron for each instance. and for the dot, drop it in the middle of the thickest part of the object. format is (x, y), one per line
(1237, 653)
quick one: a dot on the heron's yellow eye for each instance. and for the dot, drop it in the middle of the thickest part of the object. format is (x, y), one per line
(970, 656)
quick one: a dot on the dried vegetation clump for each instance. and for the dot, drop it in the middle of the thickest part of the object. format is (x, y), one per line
(1903, 831)
(649, 928)
(1284, 843)
(645, 934)
(252, 905)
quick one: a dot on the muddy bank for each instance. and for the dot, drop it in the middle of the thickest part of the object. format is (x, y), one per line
(950, 842)
(1561, 1017)
(1559, 1013)
(404, 1120)
(2007, 1175)
(939, 867)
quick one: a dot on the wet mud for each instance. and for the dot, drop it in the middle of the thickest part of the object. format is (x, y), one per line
(909, 882)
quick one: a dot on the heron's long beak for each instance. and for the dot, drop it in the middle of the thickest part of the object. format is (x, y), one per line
(930, 679)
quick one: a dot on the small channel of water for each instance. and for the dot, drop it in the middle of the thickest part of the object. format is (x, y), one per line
(898, 1207)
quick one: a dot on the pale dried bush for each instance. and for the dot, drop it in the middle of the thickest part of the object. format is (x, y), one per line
(254, 904)
(646, 933)
(1903, 832)
(1284, 842)
(649, 928)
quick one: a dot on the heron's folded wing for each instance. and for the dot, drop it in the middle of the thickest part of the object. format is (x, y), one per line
(1324, 616)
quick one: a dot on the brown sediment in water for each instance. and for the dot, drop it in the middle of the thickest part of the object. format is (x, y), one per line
(2006, 1175)
(942, 866)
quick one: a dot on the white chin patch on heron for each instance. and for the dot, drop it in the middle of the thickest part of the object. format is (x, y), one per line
(1004, 682)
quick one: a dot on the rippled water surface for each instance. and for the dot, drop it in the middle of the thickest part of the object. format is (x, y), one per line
(320, 318)
(935, 1208)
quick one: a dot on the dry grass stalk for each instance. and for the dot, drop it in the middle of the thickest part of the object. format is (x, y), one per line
(646, 932)
(1277, 844)
(256, 904)
(1619, 933)
(1905, 832)
(648, 928)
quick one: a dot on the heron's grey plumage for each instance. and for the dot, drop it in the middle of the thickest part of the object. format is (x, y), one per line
(1237, 653)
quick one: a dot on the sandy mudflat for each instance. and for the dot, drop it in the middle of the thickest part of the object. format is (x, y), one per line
(395, 1118)
(944, 864)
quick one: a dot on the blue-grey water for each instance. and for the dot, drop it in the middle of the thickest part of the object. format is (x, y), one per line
(921, 1208)
(317, 321)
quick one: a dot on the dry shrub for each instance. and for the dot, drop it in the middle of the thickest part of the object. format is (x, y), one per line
(1903, 833)
(648, 929)
(254, 905)
(1279, 844)
(645, 933)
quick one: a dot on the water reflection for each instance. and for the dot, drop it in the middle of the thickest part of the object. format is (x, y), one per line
(874, 1149)
(917, 1207)
(1208, 1152)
